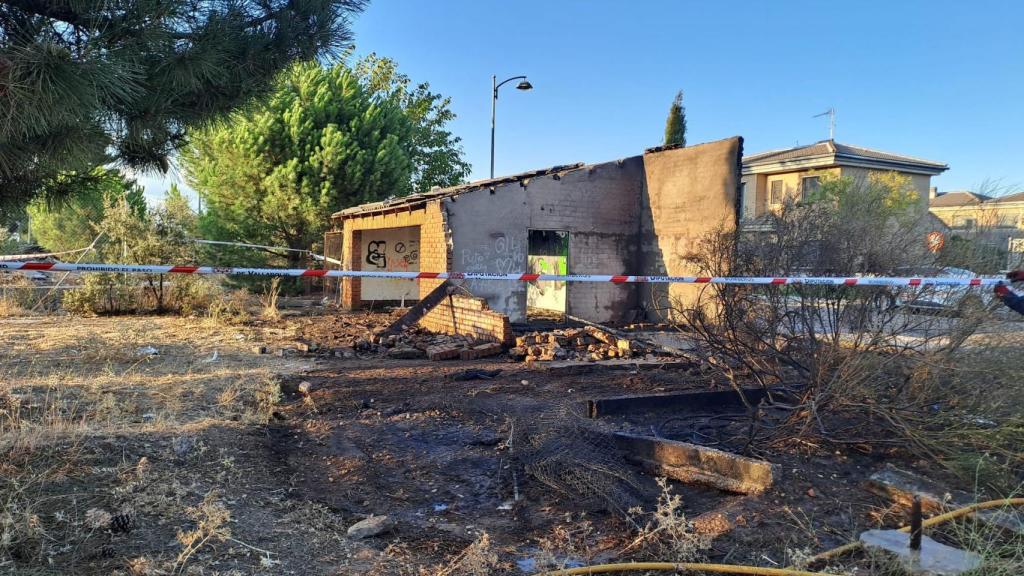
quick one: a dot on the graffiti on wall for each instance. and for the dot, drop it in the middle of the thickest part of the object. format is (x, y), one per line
(391, 250)
(502, 255)
(547, 294)
(408, 254)
(376, 253)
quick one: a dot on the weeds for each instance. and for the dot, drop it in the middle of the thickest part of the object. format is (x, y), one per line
(268, 300)
(211, 519)
(667, 535)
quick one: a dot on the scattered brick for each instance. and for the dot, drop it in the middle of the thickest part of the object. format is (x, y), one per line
(443, 352)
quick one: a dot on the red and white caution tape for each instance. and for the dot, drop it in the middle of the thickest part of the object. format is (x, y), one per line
(616, 279)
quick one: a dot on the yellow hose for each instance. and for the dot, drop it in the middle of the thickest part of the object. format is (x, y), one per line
(738, 569)
(679, 567)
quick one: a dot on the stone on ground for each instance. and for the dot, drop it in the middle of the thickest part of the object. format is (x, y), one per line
(933, 559)
(371, 526)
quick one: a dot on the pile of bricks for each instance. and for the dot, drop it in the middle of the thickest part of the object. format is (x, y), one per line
(462, 348)
(588, 343)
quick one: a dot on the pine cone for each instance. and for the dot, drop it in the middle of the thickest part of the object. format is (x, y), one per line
(121, 524)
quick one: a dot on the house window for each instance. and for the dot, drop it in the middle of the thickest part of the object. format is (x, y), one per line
(775, 192)
(962, 222)
(809, 187)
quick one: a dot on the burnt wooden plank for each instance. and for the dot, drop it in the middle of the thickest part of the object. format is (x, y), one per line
(419, 310)
(691, 401)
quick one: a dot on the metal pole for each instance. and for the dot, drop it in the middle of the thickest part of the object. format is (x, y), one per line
(915, 524)
(494, 102)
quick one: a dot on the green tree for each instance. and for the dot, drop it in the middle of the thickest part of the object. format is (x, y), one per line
(323, 140)
(72, 222)
(87, 82)
(435, 152)
(675, 125)
(160, 235)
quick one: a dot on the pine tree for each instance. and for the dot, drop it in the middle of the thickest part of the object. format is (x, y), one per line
(324, 139)
(675, 126)
(73, 223)
(87, 82)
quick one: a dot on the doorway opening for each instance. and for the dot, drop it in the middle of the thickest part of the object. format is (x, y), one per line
(547, 253)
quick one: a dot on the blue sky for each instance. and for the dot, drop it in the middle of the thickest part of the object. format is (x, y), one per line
(938, 80)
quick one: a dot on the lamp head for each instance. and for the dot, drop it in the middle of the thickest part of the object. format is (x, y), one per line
(524, 85)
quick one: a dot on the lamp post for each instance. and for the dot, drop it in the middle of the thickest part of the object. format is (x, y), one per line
(524, 84)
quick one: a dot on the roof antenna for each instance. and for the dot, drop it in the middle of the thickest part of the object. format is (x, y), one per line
(831, 113)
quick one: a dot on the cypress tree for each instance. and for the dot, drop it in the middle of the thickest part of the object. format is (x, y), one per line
(675, 126)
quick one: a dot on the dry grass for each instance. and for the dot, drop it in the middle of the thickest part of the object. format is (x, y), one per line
(268, 300)
(108, 450)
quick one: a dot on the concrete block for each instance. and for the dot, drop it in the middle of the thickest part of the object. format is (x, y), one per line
(697, 464)
(901, 486)
(933, 559)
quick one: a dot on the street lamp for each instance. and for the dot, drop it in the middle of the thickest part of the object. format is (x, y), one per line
(524, 84)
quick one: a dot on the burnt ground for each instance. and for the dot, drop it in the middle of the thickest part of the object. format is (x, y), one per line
(409, 439)
(159, 435)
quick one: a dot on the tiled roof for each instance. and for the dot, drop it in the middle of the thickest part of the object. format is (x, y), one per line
(960, 198)
(414, 199)
(827, 148)
(1018, 197)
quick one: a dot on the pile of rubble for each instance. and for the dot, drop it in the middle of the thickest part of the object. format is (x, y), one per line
(589, 343)
(417, 343)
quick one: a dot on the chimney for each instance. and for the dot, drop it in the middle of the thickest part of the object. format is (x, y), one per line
(933, 191)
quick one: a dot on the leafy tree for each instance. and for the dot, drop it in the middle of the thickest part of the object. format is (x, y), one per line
(882, 195)
(436, 152)
(87, 82)
(325, 139)
(675, 126)
(72, 223)
(159, 235)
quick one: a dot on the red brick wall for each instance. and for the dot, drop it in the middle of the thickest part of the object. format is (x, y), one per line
(468, 316)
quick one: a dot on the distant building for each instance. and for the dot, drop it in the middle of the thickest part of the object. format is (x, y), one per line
(769, 178)
(996, 221)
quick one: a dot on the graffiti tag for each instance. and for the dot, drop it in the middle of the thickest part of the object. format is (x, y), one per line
(376, 253)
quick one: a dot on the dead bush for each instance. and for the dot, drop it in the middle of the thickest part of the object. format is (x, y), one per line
(856, 364)
(16, 292)
(665, 534)
(268, 300)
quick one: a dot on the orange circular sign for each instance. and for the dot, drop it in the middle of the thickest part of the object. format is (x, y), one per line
(935, 241)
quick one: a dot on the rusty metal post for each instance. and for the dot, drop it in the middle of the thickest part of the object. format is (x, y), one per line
(915, 524)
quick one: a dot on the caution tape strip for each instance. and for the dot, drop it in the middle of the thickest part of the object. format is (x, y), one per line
(615, 279)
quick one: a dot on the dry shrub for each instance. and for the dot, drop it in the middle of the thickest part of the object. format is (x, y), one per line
(233, 307)
(568, 545)
(16, 293)
(211, 519)
(666, 535)
(477, 559)
(268, 300)
(103, 294)
(854, 364)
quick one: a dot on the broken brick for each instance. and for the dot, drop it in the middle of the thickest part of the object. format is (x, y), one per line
(443, 352)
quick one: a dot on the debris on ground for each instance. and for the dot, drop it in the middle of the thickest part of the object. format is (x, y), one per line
(475, 374)
(372, 526)
(588, 343)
